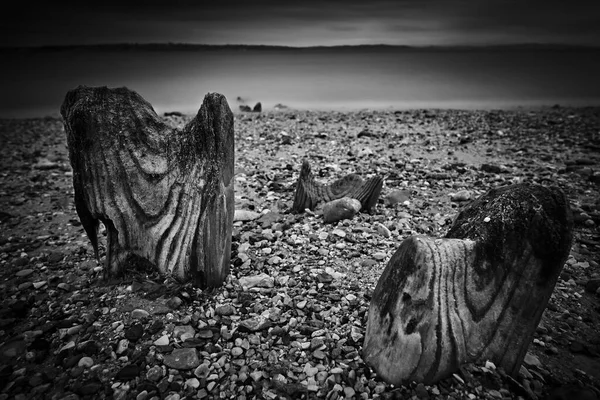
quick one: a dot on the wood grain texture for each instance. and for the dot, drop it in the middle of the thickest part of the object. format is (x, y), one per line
(164, 194)
(478, 294)
(309, 193)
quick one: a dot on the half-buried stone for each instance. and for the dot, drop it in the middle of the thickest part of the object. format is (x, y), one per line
(477, 294)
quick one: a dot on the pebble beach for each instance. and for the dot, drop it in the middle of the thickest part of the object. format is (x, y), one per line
(289, 322)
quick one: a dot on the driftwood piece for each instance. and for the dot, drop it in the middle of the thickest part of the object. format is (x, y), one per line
(309, 193)
(477, 294)
(163, 194)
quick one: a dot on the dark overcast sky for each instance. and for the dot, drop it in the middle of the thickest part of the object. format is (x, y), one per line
(302, 23)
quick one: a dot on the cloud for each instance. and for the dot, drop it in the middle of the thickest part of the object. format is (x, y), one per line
(276, 22)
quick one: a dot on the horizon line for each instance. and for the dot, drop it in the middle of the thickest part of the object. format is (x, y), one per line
(183, 45)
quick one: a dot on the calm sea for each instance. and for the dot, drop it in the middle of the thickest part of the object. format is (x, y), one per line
(34, 83)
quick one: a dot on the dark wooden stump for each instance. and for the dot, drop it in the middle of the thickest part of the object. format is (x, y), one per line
(477, 294)
(163, 194)
(309, 193)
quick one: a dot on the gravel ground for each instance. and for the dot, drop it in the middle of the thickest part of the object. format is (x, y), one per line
(290, 320)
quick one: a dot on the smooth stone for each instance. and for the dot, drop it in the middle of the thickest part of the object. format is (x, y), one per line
(24, 272)
(182, 359)
(396, 196)
(254, 324)
(225, 310)
(260, 280)
(85, 362)
(337, 210)
(122, 346)
(174, 302)
(463, 195)
(138, 313)
(154, 374)
(183, 332)
(245, 215)
(162, 341)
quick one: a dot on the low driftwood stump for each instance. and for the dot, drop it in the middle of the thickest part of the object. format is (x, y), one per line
(163, 194)
(309, 193)
(478, 294)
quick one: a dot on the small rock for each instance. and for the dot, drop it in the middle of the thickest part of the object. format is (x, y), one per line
(134, 332)
(24, 272)
(39, 284)
(154, 374)
(138, 313)
(349, 392)
(421, 391)
(225, 310)
(532, 361)
(397, 196)
(183, 332)
(463, 195)
(245, 215)
(182, 359)
(45, 164)
(162, 341)
(254, 324)
(382, 230)
(174, 302)
(122, 346)
(193, 383)
(260, 280)
(337, 210)
(85, 362)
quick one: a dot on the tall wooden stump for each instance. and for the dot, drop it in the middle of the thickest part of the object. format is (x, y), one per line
(477, 294)
(163, 194)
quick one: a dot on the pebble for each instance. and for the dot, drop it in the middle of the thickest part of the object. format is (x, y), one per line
(174, 303)
(24, 272)
(463, 195)
(154, 374)
(162, 341)
(139, 314)
(260, 280)
(86, 362)
(245, 215)
(182, 359)
(122, 346)
(531, 360)
(382, 230)
(337, 210)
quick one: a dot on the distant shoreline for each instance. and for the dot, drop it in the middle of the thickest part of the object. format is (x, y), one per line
(243, 47)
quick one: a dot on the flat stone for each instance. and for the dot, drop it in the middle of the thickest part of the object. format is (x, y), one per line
(183, 332)
(162, 341)
(260, 280)
(24, 272)
(245, 215)
(182, 359)
(254, 324)
(138, 313)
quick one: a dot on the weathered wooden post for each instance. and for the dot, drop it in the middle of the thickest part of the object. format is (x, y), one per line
(309, 193)
(163, 194)
(478, 294)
